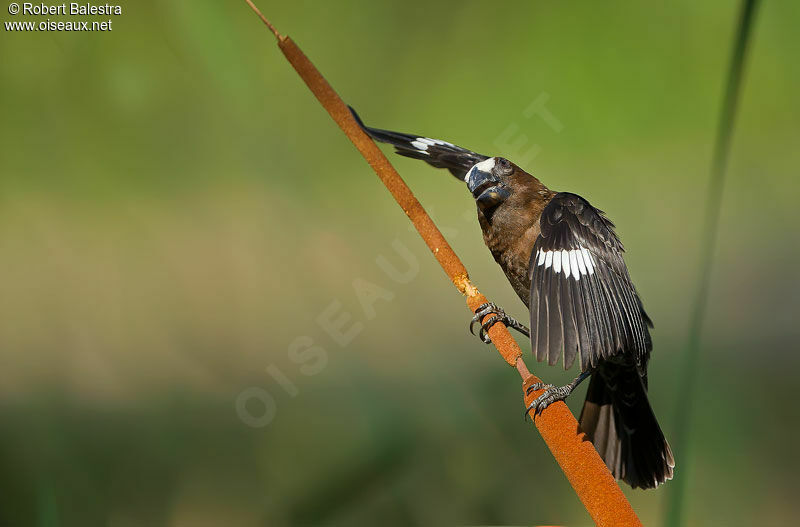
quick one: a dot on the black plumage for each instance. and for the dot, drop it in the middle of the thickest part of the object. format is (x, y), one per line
(578, 277)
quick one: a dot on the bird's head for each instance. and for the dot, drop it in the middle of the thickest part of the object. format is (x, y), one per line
(489, 181)
(502, 189)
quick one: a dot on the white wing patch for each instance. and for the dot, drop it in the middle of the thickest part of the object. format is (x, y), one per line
(588, 260)
(422, 147)
(422, 144)
(575, 262)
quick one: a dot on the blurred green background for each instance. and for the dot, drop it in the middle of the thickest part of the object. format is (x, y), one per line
(177, 212)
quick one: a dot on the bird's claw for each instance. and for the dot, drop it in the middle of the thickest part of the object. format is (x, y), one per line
(483, 310)
(551, 394)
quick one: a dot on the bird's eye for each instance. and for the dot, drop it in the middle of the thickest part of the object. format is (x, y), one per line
(503, 166)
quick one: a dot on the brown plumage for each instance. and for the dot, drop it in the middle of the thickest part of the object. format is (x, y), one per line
(511, 229)
(564, 261)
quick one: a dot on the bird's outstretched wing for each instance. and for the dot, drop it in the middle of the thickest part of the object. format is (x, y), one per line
(582, 299)
(435, 152)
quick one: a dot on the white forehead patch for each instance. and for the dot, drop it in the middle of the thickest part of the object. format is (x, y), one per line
(484, 166)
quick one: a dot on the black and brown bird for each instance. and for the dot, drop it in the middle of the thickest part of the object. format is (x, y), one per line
(565, 263)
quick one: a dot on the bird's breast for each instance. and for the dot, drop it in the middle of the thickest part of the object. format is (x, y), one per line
(511, 249)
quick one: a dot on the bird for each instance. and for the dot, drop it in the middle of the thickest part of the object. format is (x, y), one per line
(564, 260)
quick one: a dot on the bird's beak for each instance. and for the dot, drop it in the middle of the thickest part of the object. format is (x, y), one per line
(478, 180)
(485, 188)
(492, 197)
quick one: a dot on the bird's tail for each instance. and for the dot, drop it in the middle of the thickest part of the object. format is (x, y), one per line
(619, 421)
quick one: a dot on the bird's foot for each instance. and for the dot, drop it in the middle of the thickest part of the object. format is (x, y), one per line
(500, 316)
(551, 394)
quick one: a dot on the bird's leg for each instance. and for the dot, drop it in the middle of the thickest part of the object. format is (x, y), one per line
(552, 393)
(500, 316)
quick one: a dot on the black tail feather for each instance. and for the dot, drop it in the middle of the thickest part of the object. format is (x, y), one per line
(619, 421)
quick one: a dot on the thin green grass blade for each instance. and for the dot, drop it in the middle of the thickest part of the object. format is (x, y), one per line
(691, 361)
